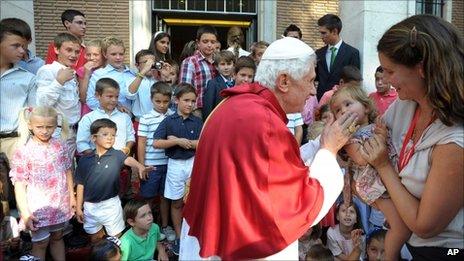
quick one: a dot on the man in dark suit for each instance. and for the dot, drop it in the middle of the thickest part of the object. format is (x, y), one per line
(334, 56)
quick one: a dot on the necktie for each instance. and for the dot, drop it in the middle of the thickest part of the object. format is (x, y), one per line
(230, 84)
(333, 54)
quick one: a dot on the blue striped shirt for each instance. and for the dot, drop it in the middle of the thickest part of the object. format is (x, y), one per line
(147, 127)
(110, 72)
(17, 90)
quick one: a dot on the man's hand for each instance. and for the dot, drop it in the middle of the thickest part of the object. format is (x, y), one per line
(336, 133)
(65, 74)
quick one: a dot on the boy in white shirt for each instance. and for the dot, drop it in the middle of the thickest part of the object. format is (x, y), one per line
(107, 93)
(57, 84)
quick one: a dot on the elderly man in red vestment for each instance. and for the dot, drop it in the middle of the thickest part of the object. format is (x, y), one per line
(251, 194)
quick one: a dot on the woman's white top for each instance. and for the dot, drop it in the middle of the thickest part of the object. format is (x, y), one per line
(414, 175)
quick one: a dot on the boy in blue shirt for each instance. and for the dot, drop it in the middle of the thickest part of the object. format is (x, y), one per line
(113, 50)
(153, 184)
(178, 134)
(97, 179)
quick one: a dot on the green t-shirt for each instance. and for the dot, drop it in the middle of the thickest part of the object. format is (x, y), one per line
(134, 247)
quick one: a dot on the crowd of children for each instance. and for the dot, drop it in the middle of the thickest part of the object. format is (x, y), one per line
(89, 124)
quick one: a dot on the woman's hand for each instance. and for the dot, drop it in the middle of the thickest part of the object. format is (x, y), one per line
(375, 152)
(336, 133)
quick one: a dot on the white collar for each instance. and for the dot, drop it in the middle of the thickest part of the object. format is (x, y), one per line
(337, 45)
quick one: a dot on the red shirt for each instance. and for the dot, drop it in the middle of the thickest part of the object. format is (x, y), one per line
(51, 56)
(382, 102)
(250, 193)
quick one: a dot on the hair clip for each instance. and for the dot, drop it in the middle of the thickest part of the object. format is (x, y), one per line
(413, 37)
(157, 33)
(114, 240)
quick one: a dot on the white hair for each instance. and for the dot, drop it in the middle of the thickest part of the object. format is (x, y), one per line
(269, 70)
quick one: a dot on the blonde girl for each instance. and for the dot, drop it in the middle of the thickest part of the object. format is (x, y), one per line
(95, 60)
(42, 177)
(366, 182)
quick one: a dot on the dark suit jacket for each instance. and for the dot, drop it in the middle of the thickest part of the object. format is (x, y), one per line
(346, 55)
(211, 97)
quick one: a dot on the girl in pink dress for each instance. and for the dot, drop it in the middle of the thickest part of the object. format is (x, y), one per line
(42, 176)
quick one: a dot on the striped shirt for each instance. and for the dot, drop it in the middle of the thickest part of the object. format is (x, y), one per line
(197, 71)
(147, 127)
(122, 77)
(17, 90)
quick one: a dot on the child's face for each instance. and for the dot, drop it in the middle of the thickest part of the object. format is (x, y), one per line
(326, 116)
(347, 215)
(258, 54)
(206, 44)
(77, 26)
(94, 54)
(244, 75)
(144, 218)
(141, 63)
(42, 127)
(226, 69)
(186, 103)
(68, 53)
(344, 103)
(115, 56)
(104, 138)
(161, 102)
(108, 99)
(380, 84)
(375, 250)
(12, 48)
(168, 74)
(162, 45)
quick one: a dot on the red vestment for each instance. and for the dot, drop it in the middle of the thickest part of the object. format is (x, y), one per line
(250, 192)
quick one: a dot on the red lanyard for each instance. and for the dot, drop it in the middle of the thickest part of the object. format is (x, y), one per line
(406, 155)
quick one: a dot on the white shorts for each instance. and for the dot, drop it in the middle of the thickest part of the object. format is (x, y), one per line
(179, 171)
(106, 213)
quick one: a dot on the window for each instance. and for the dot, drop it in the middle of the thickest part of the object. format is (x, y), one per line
(212, 6)
(434, 7)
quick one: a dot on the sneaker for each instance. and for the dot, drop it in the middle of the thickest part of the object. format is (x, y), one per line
(162, 236)
(176, 247)
(169, 232)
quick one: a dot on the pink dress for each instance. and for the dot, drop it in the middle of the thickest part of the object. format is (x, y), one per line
(42, 168)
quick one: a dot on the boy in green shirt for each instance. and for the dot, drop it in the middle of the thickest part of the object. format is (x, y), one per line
(141, 241)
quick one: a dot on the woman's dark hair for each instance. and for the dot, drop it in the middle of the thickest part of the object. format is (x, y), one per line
(438, 47)
(188, 50)
(159, 56)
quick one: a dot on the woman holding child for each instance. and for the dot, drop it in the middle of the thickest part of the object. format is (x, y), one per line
(422, 58)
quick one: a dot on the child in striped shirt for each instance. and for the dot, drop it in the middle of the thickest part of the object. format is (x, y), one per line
(153, 184)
